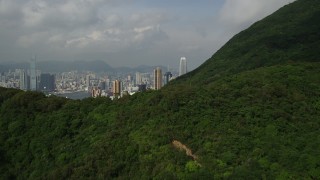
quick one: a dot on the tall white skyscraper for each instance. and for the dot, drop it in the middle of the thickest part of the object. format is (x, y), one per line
(183, 66)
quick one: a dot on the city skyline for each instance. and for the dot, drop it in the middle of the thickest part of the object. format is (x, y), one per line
(108, 84)
(122, 33)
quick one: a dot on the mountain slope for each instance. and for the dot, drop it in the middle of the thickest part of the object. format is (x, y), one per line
(251, 122)
(290, 34)
(257, 124)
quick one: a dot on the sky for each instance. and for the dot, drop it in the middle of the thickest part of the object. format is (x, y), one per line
(124, 32)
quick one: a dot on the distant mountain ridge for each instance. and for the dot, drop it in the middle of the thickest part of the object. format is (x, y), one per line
(66, 66)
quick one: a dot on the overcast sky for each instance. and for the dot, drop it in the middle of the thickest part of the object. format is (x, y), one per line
(124, 32)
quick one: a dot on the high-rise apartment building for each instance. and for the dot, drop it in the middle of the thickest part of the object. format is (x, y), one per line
(183, 66)
(116, 88)
(33, 75)
(138, 78)
(23, 80)
(95, 92)
(145, 78)
(157, 78)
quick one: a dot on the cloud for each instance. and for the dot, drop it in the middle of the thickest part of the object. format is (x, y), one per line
(7, 7)
(34, 13)
(80, 24)
(143, 29)
(237, 15)
(244, 12)
(31, 39)
(142, 32)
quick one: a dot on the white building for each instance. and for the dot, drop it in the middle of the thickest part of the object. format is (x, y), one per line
(183, 66)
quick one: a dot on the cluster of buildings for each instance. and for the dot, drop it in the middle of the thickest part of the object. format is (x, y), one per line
(28, 79)
(109, 84)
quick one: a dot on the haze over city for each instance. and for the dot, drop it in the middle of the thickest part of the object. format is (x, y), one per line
(124, 33)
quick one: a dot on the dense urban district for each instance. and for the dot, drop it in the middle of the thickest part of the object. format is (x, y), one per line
(251, 111)
(109, 84)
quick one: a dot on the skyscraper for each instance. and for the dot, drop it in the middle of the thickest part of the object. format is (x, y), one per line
(183, 66)
(138, 78)
(23, 79)
(33, 75)
(167, 77)
(157, 78)
(116, 88)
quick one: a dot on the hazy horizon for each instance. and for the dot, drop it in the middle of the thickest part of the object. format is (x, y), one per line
(27, 63)
(124, 33)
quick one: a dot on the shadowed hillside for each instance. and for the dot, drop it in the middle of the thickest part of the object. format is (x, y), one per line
(252, 111)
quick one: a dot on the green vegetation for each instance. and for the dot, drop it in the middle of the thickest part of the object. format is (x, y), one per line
(243, 117)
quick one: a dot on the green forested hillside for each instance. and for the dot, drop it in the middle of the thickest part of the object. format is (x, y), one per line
(242, 116)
